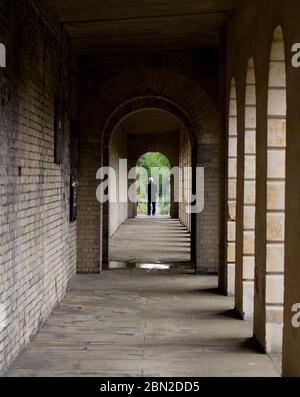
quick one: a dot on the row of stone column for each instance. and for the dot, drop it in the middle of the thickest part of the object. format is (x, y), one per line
(257, 281)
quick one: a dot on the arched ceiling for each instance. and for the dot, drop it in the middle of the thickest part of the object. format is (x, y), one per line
(150, 121)
(138, 25)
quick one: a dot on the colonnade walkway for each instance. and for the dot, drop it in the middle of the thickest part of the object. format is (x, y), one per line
(142, 322)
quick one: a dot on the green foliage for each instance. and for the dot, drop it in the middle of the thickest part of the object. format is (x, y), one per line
(164, 207)
(150, 161)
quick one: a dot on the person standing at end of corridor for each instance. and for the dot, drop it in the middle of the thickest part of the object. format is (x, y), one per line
(152, 195)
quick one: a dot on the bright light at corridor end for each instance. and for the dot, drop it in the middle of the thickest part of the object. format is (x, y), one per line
(111, 183)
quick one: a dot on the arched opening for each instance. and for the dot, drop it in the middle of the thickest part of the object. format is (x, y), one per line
(157, 166)
(157, 142)
(276, 159)
(198, 117)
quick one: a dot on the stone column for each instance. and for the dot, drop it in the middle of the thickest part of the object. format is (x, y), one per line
(231, 191)
(248, 259)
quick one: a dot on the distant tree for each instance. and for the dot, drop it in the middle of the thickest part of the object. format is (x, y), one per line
(148, 161)
(152, 160)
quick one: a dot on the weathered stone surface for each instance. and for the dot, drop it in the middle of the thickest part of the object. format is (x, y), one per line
(143, 239)
(126, 319)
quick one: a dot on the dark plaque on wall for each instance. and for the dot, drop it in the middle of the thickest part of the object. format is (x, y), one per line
(73, 196)
(58, 130)
(74, 144)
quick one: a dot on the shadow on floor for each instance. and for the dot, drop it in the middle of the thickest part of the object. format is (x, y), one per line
(135, 323)
(232, 313)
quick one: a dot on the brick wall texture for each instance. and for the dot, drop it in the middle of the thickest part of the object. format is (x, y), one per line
(39, 248)
(37, 242)
(106, 102)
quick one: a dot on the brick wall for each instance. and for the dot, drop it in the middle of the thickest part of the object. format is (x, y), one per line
(37, 243)
(106, 103)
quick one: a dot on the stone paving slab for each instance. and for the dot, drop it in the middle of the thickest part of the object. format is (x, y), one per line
(149, 239)
(135, 323)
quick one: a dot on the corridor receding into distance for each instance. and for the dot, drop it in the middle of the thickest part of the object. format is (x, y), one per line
(149, 188)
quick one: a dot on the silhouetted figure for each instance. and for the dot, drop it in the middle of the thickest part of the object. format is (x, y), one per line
(152, 194)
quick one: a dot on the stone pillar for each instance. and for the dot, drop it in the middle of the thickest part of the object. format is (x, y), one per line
(247, 264)
(185, 164)
(268, 322)
(231, 192)
(291, 332)
(276, 195)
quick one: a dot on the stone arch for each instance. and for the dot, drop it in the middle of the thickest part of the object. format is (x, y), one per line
(105, 106)
(148, 102)
(114, 121)
(171, 87)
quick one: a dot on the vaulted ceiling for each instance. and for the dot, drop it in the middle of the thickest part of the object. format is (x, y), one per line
(151, 121)
(138, 25)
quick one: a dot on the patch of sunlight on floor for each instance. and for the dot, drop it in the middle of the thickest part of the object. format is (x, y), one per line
(146, 266)
(152, 266)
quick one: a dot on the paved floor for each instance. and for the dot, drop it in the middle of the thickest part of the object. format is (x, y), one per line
(134, 323)
(153, 239)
